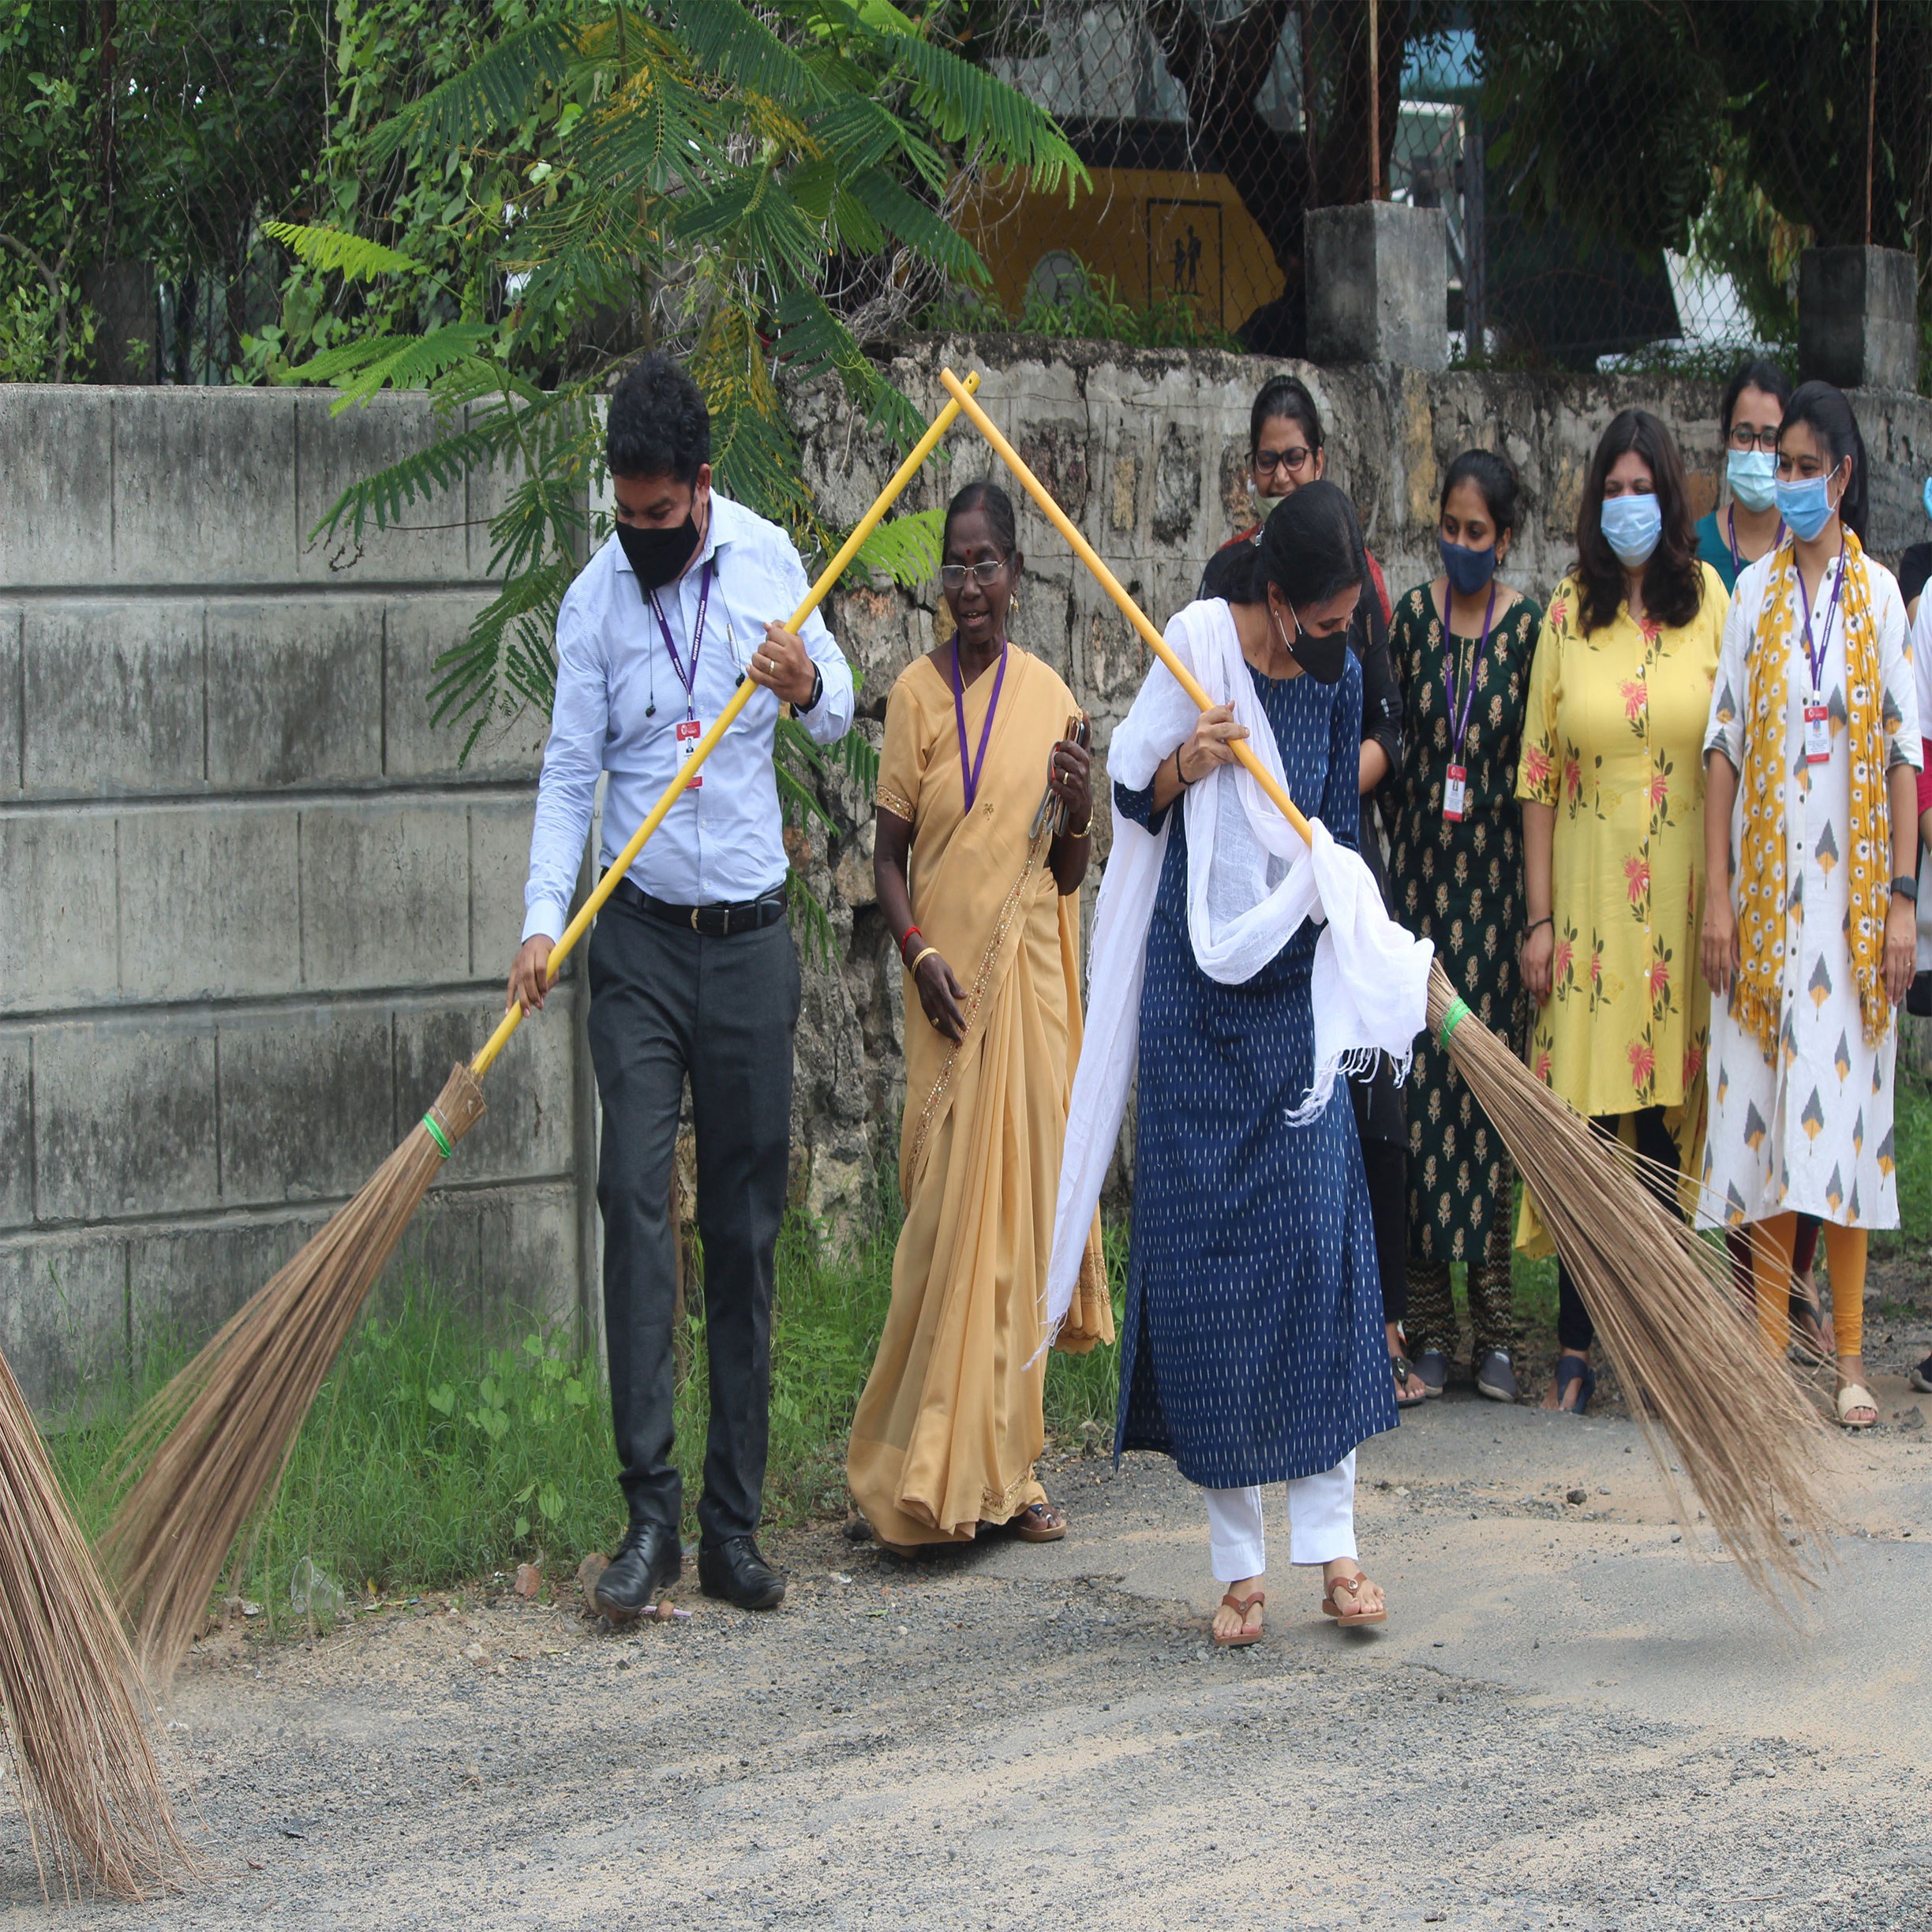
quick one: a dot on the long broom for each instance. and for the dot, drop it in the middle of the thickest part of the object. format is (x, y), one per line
(208, 1450)
(1749, 1444)
(84, 1772)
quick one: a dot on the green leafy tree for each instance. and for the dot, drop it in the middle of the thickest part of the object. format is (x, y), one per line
(694, 175)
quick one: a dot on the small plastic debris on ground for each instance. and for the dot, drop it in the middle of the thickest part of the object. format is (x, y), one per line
(312, 1593)
(663, 1613)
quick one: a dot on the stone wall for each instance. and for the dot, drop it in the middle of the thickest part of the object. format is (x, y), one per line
(251, 906)
(251, 909)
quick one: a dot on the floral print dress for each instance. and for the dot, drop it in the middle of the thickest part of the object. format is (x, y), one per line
(1614, 741)
(1813, 1133)
(1459, 884)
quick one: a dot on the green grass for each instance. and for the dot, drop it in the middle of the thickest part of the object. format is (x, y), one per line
(439, 1451)
(1912, 1127)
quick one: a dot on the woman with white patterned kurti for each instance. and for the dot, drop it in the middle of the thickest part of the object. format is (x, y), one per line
(1811, 806)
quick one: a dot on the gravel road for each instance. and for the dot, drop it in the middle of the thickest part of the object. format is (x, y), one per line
(1573, 1718)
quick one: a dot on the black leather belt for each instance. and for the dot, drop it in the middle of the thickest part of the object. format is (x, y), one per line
(713, 922)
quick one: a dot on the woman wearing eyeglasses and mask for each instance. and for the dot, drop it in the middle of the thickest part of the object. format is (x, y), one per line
(1285, 452)
(1612, 786)
(984, 830)
(1746, 527)
(1813, 747)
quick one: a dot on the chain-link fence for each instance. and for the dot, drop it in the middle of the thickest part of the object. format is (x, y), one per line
(1620, 184)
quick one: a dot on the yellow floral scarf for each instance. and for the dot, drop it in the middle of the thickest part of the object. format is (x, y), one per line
(1763, 888)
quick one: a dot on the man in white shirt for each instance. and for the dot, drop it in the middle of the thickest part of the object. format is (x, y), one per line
(692, 968)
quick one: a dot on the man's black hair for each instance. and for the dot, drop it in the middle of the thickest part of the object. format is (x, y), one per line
(658, 424)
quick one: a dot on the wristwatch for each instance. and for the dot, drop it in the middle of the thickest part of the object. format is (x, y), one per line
(818, 690)
(1905, 886)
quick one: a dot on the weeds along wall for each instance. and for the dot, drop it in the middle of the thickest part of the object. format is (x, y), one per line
(251, 906)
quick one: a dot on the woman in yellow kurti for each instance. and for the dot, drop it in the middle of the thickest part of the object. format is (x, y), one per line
(1612, 782)
(987, 913)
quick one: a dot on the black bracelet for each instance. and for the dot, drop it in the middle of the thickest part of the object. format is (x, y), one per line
(1185, 780)
(1545, 920)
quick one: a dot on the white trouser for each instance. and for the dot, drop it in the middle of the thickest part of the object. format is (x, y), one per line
(1321, 1523)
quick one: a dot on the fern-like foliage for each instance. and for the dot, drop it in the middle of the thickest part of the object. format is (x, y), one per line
(705, 162)
(353, 256)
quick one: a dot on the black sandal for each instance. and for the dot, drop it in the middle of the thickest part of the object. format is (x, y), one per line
(1809, 1335)
(1404, 1374)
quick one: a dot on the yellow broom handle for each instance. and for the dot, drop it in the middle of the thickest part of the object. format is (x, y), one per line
(708, 744)
(962, 393)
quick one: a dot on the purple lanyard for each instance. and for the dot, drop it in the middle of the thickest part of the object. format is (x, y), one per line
(1737, 562)
(677, 664)
(1816, 659)
(1461, 724)
(971, 772)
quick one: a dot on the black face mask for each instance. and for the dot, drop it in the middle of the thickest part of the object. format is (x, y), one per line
(1323, 658)
(658, 556)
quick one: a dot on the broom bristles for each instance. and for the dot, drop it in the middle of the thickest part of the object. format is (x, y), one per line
(76, 1724)
(207, 1452)
(1748, 1443)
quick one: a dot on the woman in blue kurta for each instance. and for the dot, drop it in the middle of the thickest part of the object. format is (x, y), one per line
(1254, 1350)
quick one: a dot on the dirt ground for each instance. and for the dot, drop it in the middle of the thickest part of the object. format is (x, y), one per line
(1575, 1716)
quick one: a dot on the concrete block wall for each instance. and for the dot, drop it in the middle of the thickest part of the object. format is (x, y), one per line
(251, 907)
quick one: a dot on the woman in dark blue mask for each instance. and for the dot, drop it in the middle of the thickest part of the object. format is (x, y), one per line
(1462, 647)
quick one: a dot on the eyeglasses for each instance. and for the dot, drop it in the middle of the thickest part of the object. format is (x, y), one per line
(1744, 437)
(953, 576)
(1268, 462)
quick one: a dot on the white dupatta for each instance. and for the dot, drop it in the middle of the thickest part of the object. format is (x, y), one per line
(1251, 881)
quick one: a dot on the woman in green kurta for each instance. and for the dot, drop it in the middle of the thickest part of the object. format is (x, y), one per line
(1456, 878)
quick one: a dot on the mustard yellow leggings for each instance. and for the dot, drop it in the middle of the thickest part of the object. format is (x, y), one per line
(1772, 1243)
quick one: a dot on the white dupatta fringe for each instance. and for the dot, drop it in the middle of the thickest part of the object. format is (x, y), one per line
(1251, 881)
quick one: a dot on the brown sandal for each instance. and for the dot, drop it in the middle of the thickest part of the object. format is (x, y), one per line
(1038, 1522)
(1348, 1618)
(1241, 1606)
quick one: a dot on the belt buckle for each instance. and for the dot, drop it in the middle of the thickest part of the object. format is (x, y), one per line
(724, 927)
(693, 918)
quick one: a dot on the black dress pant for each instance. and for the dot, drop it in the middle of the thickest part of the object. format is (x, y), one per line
(666, 1003)
(1575, 1329)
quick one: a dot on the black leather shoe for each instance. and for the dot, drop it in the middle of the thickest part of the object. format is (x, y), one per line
(734, 1571)
(648, 1561)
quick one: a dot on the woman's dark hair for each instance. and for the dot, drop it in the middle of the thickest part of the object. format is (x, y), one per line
(997, 507)
(658, 424)
(1284, 396)
(1829, 416)
(1311, 548)
(1759, 374)
(1673, 580)
(1494, 478)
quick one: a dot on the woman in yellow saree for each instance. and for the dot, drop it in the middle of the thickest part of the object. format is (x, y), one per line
(987, 914)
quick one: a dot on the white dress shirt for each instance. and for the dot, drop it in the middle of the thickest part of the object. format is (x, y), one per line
(722, 843)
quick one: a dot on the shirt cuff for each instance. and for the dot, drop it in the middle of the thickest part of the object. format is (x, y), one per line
(547, 918)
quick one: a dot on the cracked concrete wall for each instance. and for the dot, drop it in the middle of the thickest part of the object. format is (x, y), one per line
(251, 906)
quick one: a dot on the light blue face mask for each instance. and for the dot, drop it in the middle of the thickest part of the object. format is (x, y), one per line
(1631, 527)
(1753, 477)
(1805, 506)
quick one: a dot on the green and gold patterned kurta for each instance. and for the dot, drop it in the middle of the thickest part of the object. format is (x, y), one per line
(1460, 885)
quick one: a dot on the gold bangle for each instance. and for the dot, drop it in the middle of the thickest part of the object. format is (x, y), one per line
(1084, 830)
(926, 954)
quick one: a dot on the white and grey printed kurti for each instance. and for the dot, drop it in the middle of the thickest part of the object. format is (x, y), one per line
(1812, 1133)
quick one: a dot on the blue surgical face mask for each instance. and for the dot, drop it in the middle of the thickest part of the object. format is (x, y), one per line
(1468, 570)
(1806, 505)
(1631, 527)
(1752, 474)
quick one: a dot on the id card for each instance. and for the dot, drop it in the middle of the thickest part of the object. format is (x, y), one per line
(1818, 734)
(689, 731)
(1455, 787)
